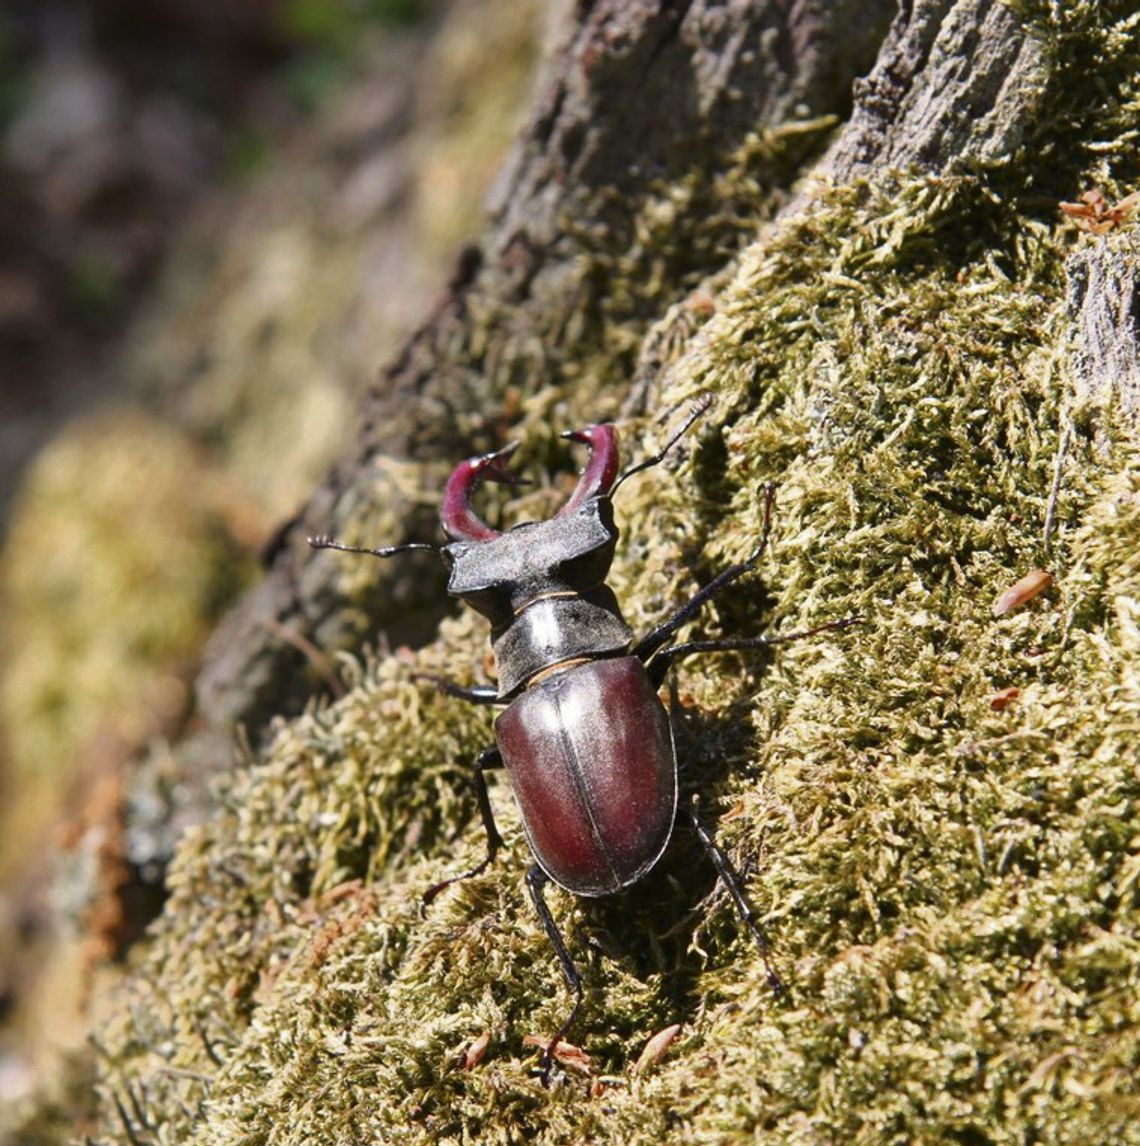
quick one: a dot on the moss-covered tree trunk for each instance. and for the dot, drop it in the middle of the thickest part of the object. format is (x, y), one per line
(662, 137)
(937, 810)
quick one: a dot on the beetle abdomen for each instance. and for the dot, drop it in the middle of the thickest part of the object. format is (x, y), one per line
(590, 755)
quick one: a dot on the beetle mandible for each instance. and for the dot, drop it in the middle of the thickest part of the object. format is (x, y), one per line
(584, 737)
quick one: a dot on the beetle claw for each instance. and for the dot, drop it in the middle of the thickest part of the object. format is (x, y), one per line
(459, 519)
(598, 477)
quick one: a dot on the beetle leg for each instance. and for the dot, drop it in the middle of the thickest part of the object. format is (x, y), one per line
(731, 880)
(536, 881)
(662, 661)
(479, 694)
(655, 638)
(487, 759)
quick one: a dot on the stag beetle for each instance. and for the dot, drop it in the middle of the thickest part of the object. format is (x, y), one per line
(584, 736)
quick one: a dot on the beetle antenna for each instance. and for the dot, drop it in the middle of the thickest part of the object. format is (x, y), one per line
(323, 542)
(699, 407)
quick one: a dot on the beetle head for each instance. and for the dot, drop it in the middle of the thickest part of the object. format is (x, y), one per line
(495, 572)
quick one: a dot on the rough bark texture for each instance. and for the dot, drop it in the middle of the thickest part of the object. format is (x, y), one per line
(937, 809)
(954, 84)
(1104, 308)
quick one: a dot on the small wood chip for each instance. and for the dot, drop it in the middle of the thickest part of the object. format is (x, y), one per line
(474, 1054)
(1020, 592)
(656, 1048)
(1004, 697)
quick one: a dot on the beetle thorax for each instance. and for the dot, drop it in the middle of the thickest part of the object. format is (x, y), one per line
(542, 587)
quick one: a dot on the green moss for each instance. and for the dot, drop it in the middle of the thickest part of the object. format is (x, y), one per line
(642, 264)
(113, 576)
(947, 885)
(950, 887)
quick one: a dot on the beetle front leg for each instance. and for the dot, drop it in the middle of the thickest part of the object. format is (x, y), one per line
(731, 880)
(661, 662)
(489, 758)
(536, 881)
(473, 694)
(655, 638)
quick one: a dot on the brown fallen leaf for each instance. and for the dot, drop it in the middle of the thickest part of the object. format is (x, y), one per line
(656, 1048)
(1023, 591)
(1094, 214)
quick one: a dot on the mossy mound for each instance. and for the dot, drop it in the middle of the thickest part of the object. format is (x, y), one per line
(948, 880)
(114, 577)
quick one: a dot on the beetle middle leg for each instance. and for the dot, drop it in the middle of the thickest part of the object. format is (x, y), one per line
(536, 881)
(487, 759)
(662, 661)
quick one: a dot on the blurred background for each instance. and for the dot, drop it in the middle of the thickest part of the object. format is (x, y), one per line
(218, 219)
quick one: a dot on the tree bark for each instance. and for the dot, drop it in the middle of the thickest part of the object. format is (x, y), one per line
(1104, 310)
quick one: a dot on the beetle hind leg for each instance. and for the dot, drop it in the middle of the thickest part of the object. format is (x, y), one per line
(536, 881)
(487, 759)
(731, 880)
